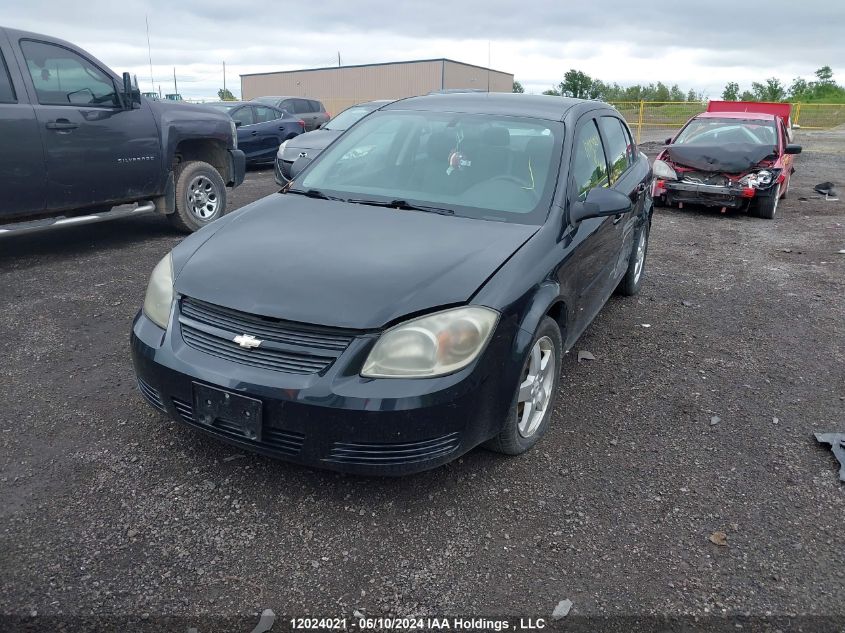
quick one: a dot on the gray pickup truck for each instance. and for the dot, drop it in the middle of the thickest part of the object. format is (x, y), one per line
(80, 144)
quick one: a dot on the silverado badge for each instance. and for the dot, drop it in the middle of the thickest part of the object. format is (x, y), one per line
(247, 341)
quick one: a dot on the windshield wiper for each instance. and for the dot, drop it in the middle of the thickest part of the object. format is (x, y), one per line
(313, 193)
(402, 205)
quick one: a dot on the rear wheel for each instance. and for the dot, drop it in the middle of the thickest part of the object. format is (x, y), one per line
(200, 196)
(535, 394)
(766, 206)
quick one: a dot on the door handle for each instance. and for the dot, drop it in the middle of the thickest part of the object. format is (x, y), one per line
(641, 187)
(61, 124)
(616, 218)
(253, 133)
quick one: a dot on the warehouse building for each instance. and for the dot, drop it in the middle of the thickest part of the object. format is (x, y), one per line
(342, 86)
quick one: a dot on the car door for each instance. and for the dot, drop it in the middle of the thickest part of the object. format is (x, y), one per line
(23, 174)
(96, 150)
(249, 140)
(621, 159)
(269, 125)
(594, 241)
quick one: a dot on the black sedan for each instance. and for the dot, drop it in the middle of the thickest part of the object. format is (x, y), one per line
(409, 295)
(260, 128)
(310, 144)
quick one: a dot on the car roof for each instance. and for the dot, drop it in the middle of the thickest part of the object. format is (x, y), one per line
(228, 103)
(505, 103)
(760, 116)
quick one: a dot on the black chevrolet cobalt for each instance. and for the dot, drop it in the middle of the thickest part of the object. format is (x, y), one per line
(409, 294)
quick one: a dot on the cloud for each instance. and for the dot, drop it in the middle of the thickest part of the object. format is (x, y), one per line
(699, 46)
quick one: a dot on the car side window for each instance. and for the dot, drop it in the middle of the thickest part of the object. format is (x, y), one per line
(589, 167)
(316, 106)
(62, 77)
(617, 146)
(287, 106)
(7, 91)
(264, 114)
(301, 106)
(244, 116)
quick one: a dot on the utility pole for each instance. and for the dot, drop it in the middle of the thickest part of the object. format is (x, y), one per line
(150, 53)
(224, 79)
(338, 59)
(175, 88)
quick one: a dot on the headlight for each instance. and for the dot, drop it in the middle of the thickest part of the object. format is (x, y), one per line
(282, 148)
(160, 292)
(762, 178)
(662, 170)
(431, 345)
(234, 135)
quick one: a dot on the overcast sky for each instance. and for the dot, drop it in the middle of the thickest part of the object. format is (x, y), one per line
(699, 45)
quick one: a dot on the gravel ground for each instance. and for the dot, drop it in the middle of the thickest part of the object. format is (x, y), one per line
(701, 422)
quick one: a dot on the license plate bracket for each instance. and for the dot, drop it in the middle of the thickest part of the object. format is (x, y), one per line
(227, 411)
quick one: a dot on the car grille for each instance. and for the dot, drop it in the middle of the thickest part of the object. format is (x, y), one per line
(282, 441)
(393, 454)
(150, 395)
(705, 178)
(285, 346)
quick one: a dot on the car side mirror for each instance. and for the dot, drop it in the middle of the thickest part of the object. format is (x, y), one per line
(669, 141)
(322, 125)
(793, 149)
(131, 94)
(298, 165)
(600, 202)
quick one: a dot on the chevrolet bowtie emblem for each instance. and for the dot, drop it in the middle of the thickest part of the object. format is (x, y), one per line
(247, 341)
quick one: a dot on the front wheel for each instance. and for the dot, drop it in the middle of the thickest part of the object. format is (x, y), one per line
(535, 394)
(631, 282)
(200, 196)
(766, 206)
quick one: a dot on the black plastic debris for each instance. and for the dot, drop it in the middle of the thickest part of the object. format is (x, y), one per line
(837, 445)
(827, 189)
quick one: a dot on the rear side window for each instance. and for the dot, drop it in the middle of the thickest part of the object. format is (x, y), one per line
(264, 114)
(243, 116)
(589, 168)
(62, 77)
(617, 145)
(316, 106)
(7, 91)
(301, 106)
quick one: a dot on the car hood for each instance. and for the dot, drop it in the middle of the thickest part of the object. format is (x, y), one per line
(731, 158)
(345, 265)
(316, 140)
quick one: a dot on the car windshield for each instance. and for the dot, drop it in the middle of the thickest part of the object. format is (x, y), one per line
(707, 131)
(472, 165)
(226, 107)
(345, 119)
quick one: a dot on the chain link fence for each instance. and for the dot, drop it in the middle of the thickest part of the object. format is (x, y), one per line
(673, 114)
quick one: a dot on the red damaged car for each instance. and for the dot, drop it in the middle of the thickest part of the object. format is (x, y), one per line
(737, 155)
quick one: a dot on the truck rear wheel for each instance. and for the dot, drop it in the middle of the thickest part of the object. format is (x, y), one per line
(200, 196)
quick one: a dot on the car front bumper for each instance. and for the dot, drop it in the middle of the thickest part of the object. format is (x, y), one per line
(674, 192)
(336, 419)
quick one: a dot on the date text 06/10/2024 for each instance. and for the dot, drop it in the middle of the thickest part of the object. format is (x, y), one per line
(415, 624)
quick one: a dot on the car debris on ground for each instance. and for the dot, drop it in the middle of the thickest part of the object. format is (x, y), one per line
(837, 445)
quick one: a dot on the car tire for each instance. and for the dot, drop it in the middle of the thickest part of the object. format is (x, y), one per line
(766, 206)
(200, 196)
(524, 428)
(631, 282)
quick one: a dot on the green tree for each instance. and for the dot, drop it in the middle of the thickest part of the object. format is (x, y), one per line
(692, 95)
(747, 95)
(517, 87)
(825, 76)
(772, 90)
(552, 91)
(799, 90)
(731, 92)
(675, 93)
(226, 95)
(576, 84)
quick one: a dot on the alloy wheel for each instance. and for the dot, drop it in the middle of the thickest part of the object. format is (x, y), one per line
(203, 198)
(535, 390)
